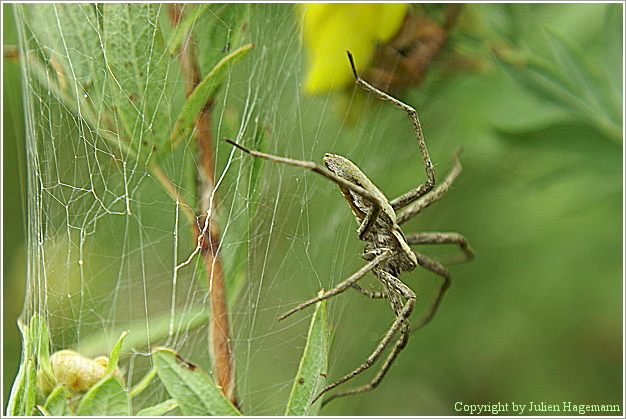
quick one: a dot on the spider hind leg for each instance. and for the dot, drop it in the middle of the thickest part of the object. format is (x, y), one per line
(396, 289)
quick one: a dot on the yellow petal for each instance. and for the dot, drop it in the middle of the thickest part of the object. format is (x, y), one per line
(329, 29)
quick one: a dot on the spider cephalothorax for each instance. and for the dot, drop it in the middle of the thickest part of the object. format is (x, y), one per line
(388, 250)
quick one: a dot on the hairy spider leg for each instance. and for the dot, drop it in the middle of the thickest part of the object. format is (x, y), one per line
(394, 287)
(438, 237)
(432, 265)
(343, 285)
(424, 188)
(423, 202)
(388, 261)
(370, 294)
(436, 267)
(431, 237)
(375, 204)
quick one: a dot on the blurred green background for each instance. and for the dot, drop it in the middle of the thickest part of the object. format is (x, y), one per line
(537, 316)
(14, 204)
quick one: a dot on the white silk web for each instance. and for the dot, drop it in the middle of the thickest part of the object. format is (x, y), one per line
(112, 249)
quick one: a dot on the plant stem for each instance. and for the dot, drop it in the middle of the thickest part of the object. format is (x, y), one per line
(207, 225)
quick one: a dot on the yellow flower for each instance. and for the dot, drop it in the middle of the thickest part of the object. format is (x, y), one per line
(329, 29)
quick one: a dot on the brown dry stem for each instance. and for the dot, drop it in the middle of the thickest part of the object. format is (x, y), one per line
(207, 226)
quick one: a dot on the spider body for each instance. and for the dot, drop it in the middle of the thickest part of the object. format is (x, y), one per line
(387, 252)
(385, 233)
(360, 207)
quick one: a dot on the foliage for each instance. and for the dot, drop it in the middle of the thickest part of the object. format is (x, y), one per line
(531, 92)
(193, 391)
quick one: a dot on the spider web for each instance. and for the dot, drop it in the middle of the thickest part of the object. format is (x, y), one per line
(111, 250)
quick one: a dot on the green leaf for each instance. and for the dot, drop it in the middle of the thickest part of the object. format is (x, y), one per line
(35, 351)
(189, 19)
(107, 398)
(29, 398)
(313, 364)
(139, 66)
(24, 391)
(585, 77)
(15, 405)
(219, 30)
(159, 409)
(115, 354)
(57, 403)
(190, 386)
(68, 33)
(41, 339)
(558, 70)
(204, 91)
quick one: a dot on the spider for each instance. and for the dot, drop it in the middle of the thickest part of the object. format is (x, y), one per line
(388, 253)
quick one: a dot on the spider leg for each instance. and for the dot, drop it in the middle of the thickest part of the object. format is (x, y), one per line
(343, 285)
(444, 238)
(435, 267)
(372, 214)
(421, 190)
(395, 288)
(431, 197)
(368, 293)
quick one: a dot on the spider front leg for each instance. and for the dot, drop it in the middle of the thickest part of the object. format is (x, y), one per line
(370, 294)
(423, 189)
(375, 202)
(423, 202)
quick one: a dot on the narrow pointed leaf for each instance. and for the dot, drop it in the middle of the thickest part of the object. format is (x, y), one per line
(223, 27)
(184, 25)
(115, 354)
(205, 90)
(30, 389)
(24, 392)
(15, 405)
(314, 363)
(41, 341)
(559, 71)
(159, 409)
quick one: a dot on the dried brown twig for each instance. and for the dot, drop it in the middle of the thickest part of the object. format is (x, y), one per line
(207, 228)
